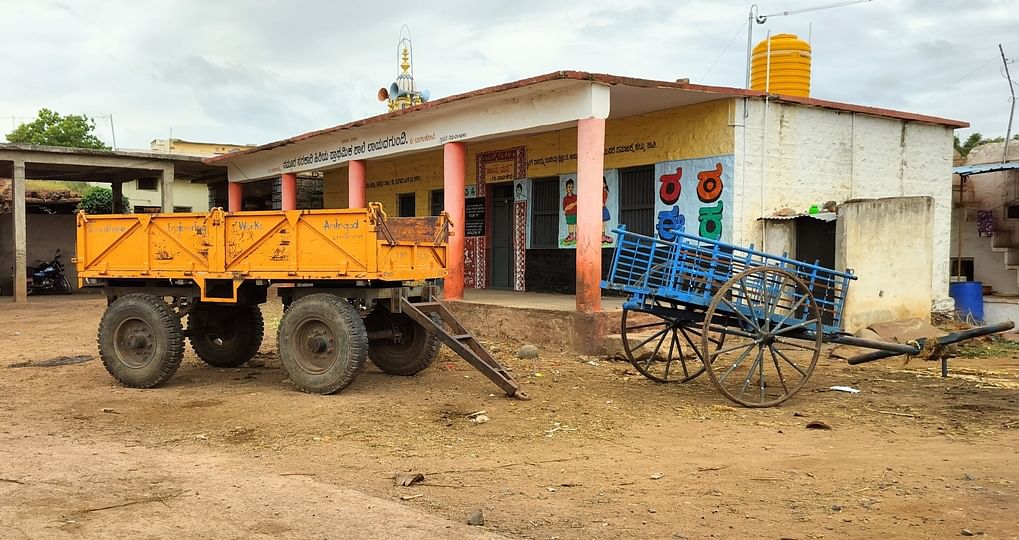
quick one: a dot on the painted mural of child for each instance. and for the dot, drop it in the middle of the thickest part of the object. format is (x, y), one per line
(605, 216)
(570, 211)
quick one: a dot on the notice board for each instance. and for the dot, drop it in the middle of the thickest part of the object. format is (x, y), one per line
(474, 216)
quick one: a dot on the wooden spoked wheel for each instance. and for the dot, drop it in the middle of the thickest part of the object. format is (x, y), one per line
(773, 336)
(658, 343)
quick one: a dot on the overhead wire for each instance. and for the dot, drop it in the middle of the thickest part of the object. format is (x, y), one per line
(955, 82)
(725, 50)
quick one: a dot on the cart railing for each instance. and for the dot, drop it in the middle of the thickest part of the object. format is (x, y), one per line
(689, 270)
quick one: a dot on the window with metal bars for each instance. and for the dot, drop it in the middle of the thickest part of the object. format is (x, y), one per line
(545, 213)
(637, 199)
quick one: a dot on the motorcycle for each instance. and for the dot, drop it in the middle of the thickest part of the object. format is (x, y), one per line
(47, 277)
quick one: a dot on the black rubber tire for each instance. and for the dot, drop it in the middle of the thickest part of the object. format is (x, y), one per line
(239, 328)
(160, 359)
(416, 350)
(346, 352)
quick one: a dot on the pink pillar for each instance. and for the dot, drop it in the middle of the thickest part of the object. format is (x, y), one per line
(590, 169)
(288, 189)
(356, 184)
(454, 176)
(234, 196)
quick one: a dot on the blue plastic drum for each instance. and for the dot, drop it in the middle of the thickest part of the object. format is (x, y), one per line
(969, 299)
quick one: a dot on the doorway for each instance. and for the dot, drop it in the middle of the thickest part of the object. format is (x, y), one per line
(815, 242)
(502, 236)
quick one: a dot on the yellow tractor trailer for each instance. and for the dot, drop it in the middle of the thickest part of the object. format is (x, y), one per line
(355, 285)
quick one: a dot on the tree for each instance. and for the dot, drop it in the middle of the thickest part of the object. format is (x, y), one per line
(99, 200)
(52, 129)
(973, 141)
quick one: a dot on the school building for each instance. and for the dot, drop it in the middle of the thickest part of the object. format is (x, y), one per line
(536, 173)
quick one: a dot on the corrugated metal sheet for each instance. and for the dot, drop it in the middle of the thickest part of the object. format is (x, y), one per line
(822, 216)
(967, 170)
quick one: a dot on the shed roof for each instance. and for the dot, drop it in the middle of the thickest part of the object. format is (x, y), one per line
(85, 164)
(651, 89)
(981, 168)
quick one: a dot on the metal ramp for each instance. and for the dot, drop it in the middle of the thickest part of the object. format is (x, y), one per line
(462, 343)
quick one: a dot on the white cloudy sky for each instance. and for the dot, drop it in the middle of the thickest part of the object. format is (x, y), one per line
(253, 72)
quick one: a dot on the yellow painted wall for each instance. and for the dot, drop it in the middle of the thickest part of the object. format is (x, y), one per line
(334, 188)
(694, 131)
(192, 148)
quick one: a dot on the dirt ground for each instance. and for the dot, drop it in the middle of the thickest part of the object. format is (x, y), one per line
(598, 452)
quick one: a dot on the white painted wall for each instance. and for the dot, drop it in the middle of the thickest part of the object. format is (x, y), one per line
(184, 194)
(1000, 309)
(810, 155)
(988, 265)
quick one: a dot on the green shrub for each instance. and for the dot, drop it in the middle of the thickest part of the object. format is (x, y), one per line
(99, 200)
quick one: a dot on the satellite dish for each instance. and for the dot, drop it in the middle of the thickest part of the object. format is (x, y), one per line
(383, 94)
(425, 94)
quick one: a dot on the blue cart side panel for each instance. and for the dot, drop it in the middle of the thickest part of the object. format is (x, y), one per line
(689, 270)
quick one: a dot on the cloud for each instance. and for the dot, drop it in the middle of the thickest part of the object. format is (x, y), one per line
(253, 72)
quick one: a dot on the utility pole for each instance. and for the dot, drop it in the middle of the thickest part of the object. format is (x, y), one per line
(113, 133)
(1011, 112)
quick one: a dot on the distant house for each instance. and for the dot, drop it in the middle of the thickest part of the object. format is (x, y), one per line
(985, 232)
(145, 195)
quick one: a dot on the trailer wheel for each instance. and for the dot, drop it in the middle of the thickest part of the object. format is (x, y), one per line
(322, 343)
(225, 336)
(140, 340)
(411, 349)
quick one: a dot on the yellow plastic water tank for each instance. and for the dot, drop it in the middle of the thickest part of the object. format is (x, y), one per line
(789, 70)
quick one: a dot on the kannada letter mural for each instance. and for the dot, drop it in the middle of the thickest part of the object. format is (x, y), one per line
(694, 196)
(568, 209)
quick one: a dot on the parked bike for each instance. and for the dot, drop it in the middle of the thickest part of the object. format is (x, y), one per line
(47, 277)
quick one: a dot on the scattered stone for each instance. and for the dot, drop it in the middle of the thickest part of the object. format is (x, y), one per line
(202, 437)
(657, 476)
(816, 424)
(652, 510)
(480, 419)
(409, 497)
(836, 508)
(477, 518)
(108, 410)
(967, 476)
(551, 489)
(967, 532)
(528, 352)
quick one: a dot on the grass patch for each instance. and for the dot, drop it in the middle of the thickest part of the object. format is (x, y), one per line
(56, 185)
(992, 348)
